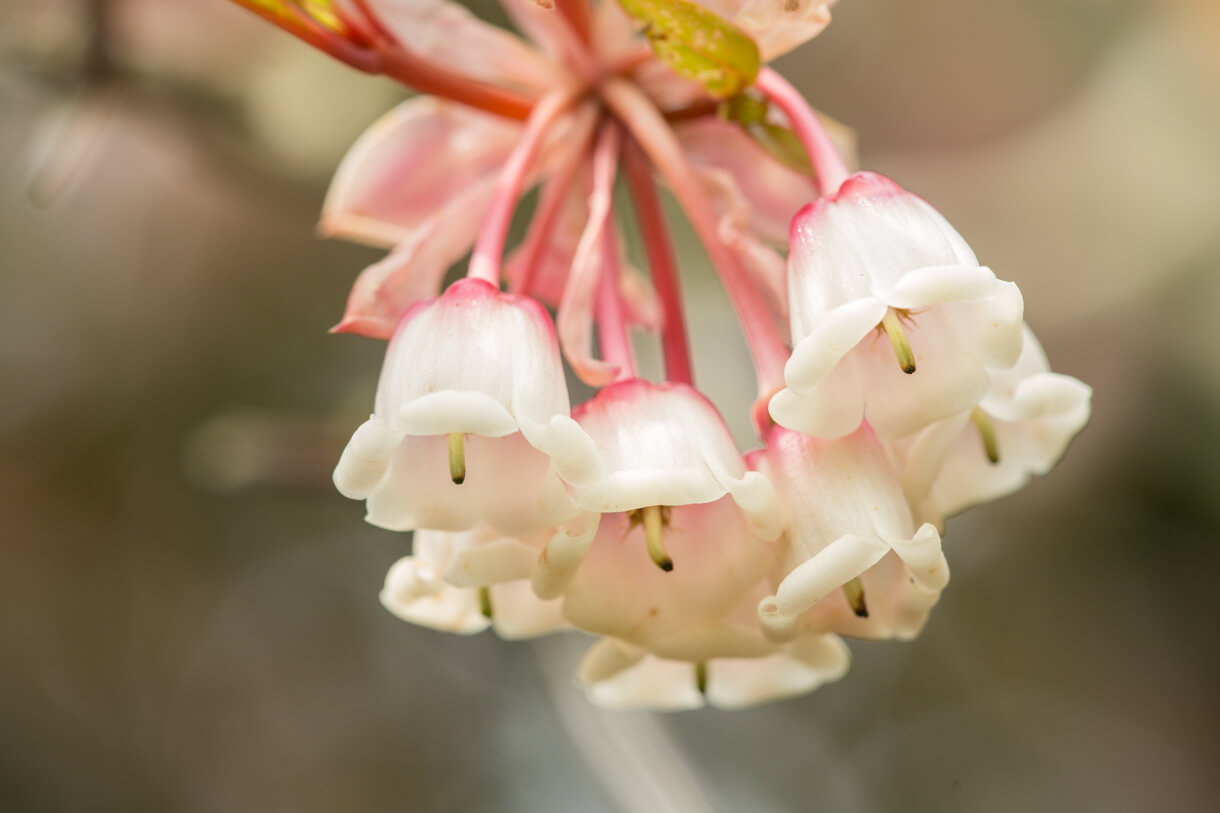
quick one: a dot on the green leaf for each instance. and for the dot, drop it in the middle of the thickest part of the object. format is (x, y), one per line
(698, 44)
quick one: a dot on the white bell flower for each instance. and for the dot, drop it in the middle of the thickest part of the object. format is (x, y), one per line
(416, 590)
(1020, 429)
(891, 315)
(470, 381)
(851, 549)
(645, 448)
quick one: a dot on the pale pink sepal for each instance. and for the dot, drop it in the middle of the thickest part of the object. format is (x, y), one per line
(425, 160)
(449, 34)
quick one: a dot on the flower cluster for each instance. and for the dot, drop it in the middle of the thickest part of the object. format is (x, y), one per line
(898, 383)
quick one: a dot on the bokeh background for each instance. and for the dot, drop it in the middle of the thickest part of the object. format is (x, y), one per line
(188, 612)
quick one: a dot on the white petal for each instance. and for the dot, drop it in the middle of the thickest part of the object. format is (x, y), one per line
(366, 458)
(812, 662)
(836, 564)
(449, 609)
(651, 684)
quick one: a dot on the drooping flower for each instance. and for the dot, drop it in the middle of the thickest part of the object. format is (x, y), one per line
(1019, 429)
(892, 317)
(852, 559)
(470, 381)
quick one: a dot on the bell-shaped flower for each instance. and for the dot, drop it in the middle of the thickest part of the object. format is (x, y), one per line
(891, 316)
(470, 381)
(852, 559)
(644, 449)
(1021, 428)
(645, 681)
(416, 590)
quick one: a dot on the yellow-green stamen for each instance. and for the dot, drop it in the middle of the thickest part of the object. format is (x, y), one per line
(485, 602)
(653, 522)
(854, 590)
(991, 443)
(892, 326)
(457, 457)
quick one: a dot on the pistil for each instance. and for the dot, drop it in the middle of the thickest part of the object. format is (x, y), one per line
(457, 457)
(892, 326)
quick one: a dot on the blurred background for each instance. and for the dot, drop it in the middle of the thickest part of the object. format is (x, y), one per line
(188, 611)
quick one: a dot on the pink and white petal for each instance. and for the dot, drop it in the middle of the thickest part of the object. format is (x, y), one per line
(424, 156)
(448, 33)
(773, 192)
(836, 564)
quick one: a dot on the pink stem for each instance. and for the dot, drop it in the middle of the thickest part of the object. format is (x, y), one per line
(827, 162)
(649, 128)
(661, 264)
(551, 202)
(488, 250)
